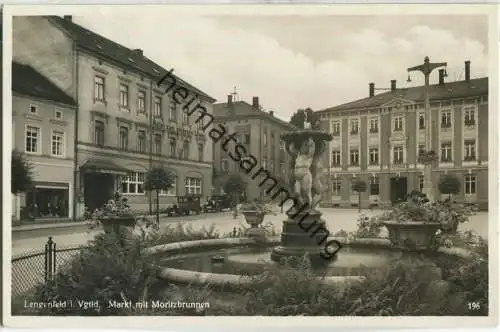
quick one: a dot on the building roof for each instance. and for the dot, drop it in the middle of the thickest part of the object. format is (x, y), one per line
(244, 109)
(450, 90)
(105, 47)
(27, 81)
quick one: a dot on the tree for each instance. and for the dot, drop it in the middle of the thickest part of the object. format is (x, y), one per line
(449, 185)
(234, 186)
(359, 186)
(21, 177)
(158, 178)
(299, 117)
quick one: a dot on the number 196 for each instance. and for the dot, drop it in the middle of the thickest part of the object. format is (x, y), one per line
(473, 305)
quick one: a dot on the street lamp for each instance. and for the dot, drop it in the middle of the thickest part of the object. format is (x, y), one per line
(426, 68)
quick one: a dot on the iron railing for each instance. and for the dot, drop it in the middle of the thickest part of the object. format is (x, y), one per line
(32, 269)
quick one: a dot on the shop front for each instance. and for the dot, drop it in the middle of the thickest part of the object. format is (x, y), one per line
(47, 200)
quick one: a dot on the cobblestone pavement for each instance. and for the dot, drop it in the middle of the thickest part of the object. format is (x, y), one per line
(336, 219)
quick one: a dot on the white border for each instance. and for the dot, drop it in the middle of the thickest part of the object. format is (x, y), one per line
(178, 323)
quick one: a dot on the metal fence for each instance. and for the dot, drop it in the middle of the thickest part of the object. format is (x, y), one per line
(35, 268)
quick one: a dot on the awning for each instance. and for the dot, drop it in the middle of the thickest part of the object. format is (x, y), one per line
(103, 166)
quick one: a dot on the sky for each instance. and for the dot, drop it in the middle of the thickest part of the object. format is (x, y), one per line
(293, 61)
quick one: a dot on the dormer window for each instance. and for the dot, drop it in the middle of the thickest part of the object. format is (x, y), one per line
(58, 115)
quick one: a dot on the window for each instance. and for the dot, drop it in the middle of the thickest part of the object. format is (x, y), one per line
(99, 133)
(421, 183)
(58, 115)
(421, 150)
(173, 147)
(398, 123)
(336, 128)
(470, 184)
(224, 165)
(374, 185)
(32, 139)
(398, 154)
(57, 143)
(185, 117)
(354, 127)
(141, 102)
(185, 150)
(264, 139)
(421, 121)
(264, 163)
(282, 168)
(373, 126)
(141, 141)
(336, 186)
(446, 119)
(199, 123)
(354, 154)
(446, 152)
(157, 144)
(246, 139)
(123, 138)
(33, 109)
(200, 152)
(133, 183)
(335, 158)
(157, 111)
(373, 156)
(172, 113)
(469, 117)
(470, 150)
(124, 95)
(282, 146)
(192, 186)
(99, 88)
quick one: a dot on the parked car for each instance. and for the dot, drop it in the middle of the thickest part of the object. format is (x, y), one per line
(188, 204)
(218, 203)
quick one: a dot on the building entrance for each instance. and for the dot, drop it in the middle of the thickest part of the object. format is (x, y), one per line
(399, 189)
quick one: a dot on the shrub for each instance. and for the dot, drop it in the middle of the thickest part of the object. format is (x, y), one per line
(449, 185)
(105, 271)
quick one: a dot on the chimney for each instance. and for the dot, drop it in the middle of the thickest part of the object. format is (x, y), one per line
(467, 71)
(372, 89)
(393, 85)
(68, 18)
(255, 102)
(229, 99)
(139, 51)
(441, 76)
(271, 113)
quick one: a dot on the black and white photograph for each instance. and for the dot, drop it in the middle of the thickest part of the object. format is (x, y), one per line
(312, 162)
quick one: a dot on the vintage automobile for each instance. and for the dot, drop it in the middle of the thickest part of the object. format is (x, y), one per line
(188, 204)
(218, 203)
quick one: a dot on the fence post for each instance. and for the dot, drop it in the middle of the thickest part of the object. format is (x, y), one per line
(50, 259)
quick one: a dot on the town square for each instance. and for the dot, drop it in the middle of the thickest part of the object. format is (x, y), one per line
(336, 167)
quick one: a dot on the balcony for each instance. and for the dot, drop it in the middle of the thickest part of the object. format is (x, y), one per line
(470, 123)
(373, 131)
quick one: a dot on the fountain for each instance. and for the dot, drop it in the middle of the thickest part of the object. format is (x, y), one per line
(305, 233)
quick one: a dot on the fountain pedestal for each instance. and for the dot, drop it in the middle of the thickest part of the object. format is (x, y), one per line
(303, 233)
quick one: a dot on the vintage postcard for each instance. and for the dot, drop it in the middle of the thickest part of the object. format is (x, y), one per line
(312, 165)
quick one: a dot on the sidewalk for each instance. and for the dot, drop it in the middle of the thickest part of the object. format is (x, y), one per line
(82, 224)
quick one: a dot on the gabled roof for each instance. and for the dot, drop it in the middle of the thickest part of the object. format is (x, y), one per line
(27, 81)
(458, 89)
(242, 109)
(105, 47)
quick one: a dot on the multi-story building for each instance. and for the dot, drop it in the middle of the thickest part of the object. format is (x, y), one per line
(126, 121)
(379, 138)
(259, 132)
(43, 127)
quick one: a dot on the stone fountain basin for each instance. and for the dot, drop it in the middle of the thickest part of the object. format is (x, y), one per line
(179, 250)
